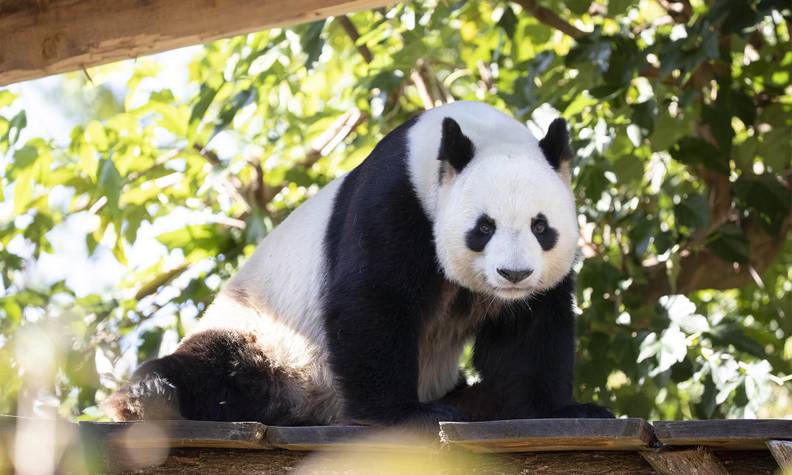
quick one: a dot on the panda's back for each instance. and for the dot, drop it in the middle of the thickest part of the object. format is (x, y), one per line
(285, 275)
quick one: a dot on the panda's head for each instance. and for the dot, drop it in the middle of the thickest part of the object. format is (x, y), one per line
(505, 221)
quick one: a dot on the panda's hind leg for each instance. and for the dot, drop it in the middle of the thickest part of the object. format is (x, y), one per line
(218, 375)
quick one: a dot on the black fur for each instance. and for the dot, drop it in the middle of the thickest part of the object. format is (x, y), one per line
(477, 240)
(214, 375)
(555, 143)
(549, 237)
(525, 357)
(455, 147)
(381, 282)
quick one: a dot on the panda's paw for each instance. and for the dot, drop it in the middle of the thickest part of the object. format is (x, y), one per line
(584, 411)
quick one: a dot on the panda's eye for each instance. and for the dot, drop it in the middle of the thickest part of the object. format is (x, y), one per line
(485, 227)
(539, 225)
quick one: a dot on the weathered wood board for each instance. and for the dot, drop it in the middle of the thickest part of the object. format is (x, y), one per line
(154, 434)
(38, 38)
(738, 434)
(348, 438)
(528, 435)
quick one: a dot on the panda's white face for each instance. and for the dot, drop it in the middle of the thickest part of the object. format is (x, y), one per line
(506, 225)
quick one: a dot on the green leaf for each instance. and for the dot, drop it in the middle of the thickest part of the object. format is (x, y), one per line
(591, 49)
(617, 8)
(695, 151)
(729, 243)
(24, 177)
(732, 334)
(692, 211)
(508, 21)
(667, 130)
(198, 241)
(6, 98)
(644, 114)
(18, 122)
(150, 342)
(312, 42)
(578, 7)
(205, 98)
(257, 226)
(109, 183)
(606, 91)
(766, 196)
(230, 109)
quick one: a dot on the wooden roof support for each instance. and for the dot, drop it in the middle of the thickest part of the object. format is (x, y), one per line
(679, 462)
(43, 37)
(782, 453)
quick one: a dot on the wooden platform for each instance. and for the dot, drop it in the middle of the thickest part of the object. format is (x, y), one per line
(516, 446)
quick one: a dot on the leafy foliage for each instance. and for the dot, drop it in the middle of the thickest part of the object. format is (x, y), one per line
(682, 122)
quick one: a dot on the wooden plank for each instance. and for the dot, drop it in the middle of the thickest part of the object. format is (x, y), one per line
(782, 453)
(347, 438)
(156, 434)
(546, 435)
(43, 37)
(700, 461)
(743, 434)
(216, 461)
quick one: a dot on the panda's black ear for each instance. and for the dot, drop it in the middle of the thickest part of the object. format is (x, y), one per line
(455, 147)
(555, 144)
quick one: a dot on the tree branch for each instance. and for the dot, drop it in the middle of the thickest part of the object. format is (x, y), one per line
(153, 285)
(549, 18)
(323, 145)
(701, 269)
(353, 34)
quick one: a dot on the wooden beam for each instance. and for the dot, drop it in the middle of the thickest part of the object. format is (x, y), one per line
(43, 37)
(527, 435)
(742, 434)
(681, 462)
(782, 453)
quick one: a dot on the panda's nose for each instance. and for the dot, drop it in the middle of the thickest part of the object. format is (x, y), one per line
(515, 275)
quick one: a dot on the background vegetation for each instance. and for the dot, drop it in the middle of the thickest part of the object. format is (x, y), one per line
(681, 113)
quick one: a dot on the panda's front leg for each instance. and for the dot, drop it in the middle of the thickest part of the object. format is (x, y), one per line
(525, 357)
(373, 350)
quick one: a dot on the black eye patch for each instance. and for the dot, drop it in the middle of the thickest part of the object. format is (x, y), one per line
(546, 235)
(478, 237)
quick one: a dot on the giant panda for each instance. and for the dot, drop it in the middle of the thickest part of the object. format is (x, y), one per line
(459, 226)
